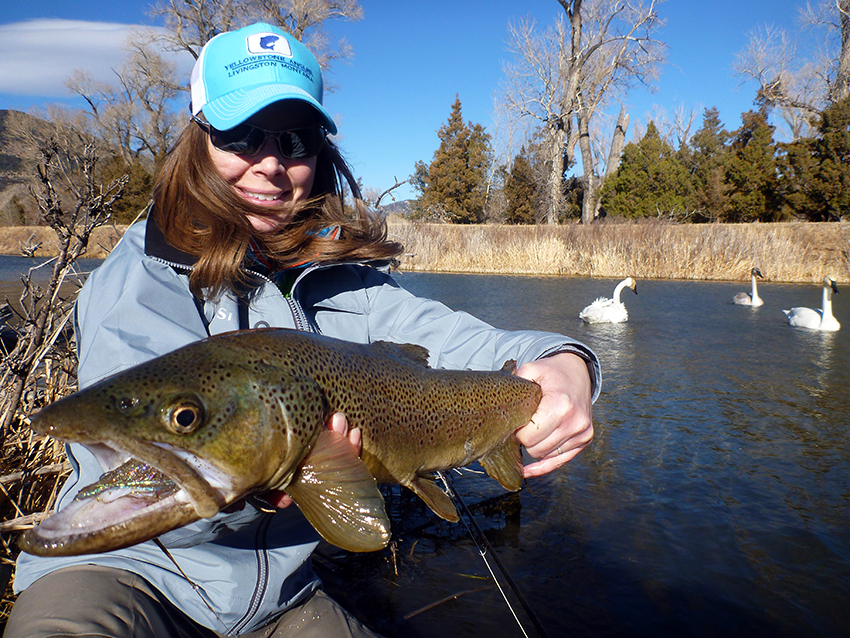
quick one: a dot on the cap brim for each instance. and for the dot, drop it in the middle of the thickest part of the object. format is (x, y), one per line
(234, 108)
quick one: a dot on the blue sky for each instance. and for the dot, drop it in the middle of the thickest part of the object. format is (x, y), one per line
(410, 60)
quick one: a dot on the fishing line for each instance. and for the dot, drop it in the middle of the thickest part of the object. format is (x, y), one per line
(484, 547)
(191, 582)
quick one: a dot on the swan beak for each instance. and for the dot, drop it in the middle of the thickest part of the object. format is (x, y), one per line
(834, 287)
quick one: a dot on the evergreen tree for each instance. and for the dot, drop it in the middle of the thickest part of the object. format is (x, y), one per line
(706, 160)
(650, 180)
(521, 192)
(137, 192)
(816, 171)
(752, 173)
(453, 184)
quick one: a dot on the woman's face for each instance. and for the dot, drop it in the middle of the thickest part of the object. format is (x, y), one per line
(268, 179)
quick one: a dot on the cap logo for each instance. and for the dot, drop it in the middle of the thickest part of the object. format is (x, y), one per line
(264, 43)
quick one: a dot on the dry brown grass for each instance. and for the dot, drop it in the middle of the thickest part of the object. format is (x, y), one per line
(12, 238)
(788, 252)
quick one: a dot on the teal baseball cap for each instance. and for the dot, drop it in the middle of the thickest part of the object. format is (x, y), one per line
(240, 72)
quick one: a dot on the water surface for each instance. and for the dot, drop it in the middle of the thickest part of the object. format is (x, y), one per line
(712, 502)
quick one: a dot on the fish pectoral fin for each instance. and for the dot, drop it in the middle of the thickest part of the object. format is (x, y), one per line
(337, 494)
(504, 464)
(509, 366)
(435, 498)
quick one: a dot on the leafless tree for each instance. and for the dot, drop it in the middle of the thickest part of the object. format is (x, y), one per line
(570, 73)
(801, 87)
(143, 110)
(73, 203)
(192, 23)
(674, 129)
(134, 115)
(835, 16)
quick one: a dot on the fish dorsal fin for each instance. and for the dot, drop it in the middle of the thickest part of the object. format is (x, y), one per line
(504, 464)
(340, 498)
(425, 488)
(407, 351)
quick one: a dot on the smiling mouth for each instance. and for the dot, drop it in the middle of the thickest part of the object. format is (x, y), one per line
(262, 197)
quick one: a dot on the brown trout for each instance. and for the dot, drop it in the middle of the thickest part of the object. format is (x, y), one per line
(191, 432)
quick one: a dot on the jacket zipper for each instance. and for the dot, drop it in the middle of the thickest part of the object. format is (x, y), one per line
(262, 575)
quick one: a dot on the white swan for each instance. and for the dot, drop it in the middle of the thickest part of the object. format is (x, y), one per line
(750, 298)
(816, 319)
(605, 310)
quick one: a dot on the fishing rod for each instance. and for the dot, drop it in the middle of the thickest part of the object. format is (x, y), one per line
(484, 548)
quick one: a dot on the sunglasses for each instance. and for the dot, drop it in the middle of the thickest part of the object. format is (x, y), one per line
(246, 139)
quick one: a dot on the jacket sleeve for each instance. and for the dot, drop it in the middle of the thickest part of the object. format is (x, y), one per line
(381, 310)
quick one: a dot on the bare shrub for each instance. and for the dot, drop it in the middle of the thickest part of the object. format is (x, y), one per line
(41, 366)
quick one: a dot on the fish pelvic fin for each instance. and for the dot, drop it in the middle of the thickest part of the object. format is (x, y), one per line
(339, 497)
(504, 463)
(440, 503)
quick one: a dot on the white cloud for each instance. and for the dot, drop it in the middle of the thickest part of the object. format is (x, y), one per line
(37, 56)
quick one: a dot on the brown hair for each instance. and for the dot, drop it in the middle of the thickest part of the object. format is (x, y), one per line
(200, 214)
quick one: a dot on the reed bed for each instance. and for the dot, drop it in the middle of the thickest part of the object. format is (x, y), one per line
(796, 252)
(786, 252)
(14, 239)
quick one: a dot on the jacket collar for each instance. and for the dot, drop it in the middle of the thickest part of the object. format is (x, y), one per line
(156, 246)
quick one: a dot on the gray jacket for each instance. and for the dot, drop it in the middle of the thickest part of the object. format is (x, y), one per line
(250, 565)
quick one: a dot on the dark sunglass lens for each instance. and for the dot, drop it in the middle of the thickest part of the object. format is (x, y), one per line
(301, 143)
(242, 140)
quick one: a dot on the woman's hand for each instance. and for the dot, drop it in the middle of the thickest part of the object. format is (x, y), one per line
(337, 423)
(562, 426)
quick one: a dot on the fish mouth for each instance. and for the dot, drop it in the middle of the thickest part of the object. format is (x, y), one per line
(148, 490)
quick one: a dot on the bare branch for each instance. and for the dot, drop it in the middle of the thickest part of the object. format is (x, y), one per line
(565, 76)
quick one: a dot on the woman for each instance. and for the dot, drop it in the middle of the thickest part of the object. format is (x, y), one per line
(248, 229)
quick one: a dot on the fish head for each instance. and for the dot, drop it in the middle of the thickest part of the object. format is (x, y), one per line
(219, 422)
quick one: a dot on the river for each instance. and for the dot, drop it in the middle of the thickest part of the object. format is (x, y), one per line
(712, 502)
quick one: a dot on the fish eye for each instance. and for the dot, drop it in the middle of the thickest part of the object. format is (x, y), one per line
(184, 416)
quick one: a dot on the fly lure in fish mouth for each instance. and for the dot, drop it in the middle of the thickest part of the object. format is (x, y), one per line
(140, 478)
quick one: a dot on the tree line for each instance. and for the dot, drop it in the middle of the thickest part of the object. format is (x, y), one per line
(715, 176)
(563, 78)
(562, 152)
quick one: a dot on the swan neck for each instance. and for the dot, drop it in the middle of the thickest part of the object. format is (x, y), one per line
(618, 290)
(827, 302)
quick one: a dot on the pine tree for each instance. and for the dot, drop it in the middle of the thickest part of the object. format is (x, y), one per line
(650, 180)
(453, 185)
(706, 160)
(521, 192)
(816, 171)
(752, 173)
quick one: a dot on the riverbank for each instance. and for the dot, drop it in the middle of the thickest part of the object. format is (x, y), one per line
(793, 252)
